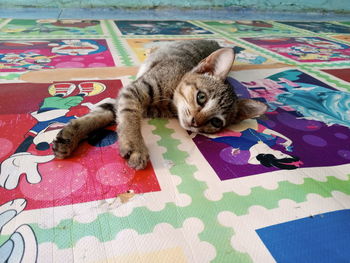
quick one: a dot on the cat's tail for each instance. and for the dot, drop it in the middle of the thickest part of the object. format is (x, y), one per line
(78, 129)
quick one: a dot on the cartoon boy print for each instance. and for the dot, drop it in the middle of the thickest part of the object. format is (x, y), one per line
(252, 136)
(51, 117)
(22, 244)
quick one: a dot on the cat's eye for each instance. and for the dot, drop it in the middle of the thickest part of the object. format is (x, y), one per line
(201, 98)
(216, 122)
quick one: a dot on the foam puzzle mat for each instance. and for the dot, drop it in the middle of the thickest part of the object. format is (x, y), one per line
(272, 189)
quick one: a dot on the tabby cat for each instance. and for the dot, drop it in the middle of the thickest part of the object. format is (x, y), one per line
(183, 79)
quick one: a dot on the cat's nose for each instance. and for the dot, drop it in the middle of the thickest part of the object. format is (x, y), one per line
(194, 123)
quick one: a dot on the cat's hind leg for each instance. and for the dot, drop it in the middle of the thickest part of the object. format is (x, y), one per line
(77, 130)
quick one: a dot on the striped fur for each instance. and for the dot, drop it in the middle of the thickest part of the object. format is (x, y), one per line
(167, 86)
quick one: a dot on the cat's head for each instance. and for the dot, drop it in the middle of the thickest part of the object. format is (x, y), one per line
(205, 103)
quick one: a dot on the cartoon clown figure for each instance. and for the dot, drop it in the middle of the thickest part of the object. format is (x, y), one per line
(51, 117)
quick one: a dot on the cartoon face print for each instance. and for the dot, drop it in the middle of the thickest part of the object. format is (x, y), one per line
(76, 47)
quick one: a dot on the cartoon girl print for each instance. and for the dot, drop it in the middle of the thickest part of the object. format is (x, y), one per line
(250, 135)
(313, 102)
(267, 90)
(22, 245)
(51, 117)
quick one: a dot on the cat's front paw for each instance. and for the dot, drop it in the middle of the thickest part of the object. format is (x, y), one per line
(65, 142)
(136, 153)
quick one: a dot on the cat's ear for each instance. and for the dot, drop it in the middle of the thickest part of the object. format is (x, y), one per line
(217, 63)
(248, 109)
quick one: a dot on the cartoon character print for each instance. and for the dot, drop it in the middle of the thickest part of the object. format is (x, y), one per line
(22, 245)
(73, 23)
(242, 55)
(51, 116)
(25, 60)
(318, 27)
(313, 102)
(321, 43)
(304, 49)
(246, 26)
(254, 23)
(76, 47)
(254, 26)
(267, 90)
(15, 29)
(253, 137)
(305, 117)
(250, 58)
(306, 52)
(49, 26)
(246, 57)
(159, 28)
(37, 55)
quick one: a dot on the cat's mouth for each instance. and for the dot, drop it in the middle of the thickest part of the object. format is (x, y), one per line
(188, 127)
(193, 129)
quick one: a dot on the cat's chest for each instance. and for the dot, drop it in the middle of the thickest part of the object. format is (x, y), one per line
(163, 109)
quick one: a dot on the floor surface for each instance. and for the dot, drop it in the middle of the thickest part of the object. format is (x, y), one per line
(272, 189)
